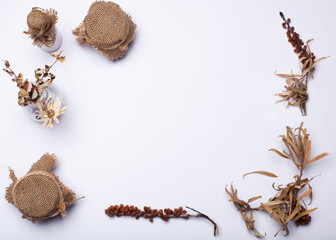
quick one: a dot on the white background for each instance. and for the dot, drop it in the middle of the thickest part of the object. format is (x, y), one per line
(189, 109)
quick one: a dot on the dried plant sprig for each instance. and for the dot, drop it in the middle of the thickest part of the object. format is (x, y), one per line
(295, 92)
(151, 214)
(30, 92)
(288, 205)
(50, 113)
(299, 148)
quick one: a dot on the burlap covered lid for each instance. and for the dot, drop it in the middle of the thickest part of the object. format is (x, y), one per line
(41, 24)
(40, 194)
(37, 195)
(36, 18)
(107, 28)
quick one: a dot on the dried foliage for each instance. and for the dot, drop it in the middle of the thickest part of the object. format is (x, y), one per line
(31, 93)
(151, 214)
(295, 92)
(288, 205)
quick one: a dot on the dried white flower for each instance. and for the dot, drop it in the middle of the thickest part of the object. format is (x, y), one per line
(54, 109)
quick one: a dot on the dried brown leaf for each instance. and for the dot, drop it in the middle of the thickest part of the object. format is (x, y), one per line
(253, 199)
(279, 153)
(322, 155)
(269, 174)
(305, 194)
(304, 213)
(7, 65)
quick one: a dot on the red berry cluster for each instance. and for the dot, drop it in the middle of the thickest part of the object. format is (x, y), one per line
(304, 220)
(147, 212)
(294, 39)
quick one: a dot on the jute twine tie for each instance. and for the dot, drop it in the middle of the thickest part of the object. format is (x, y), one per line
(41, 25)
(40, 194)
(107, 28)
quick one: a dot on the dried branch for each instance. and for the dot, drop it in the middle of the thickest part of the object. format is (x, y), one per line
(288, 204)
(295, 92)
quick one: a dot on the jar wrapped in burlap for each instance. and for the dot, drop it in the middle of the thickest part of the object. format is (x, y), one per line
(40, 194)
(107, 28)
(42, 29)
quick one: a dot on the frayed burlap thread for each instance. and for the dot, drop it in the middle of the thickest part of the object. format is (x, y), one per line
(41, 24)
(106, 28)
(40, 194)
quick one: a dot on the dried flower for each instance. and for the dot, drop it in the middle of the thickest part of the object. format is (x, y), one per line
(151, 214)
(295, 92)
(53, 110)
(288, 204)
(30, 93)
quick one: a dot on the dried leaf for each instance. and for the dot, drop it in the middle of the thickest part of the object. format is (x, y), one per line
(322, 155)
(279, 153)
(305, 194)
(253, 199)
(7, 65)
(288, 75)
(61, 59)
(269, 174)
(47, 68)
(56, 54)
(304, 213)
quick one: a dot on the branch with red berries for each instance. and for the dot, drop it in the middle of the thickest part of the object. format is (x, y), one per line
(295, 92)
(151, 214)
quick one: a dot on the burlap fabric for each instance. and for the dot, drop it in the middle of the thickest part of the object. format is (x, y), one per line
(40, 194)
(41, 25)
(107, 28)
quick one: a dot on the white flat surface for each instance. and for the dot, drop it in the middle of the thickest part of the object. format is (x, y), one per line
(188, 110)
